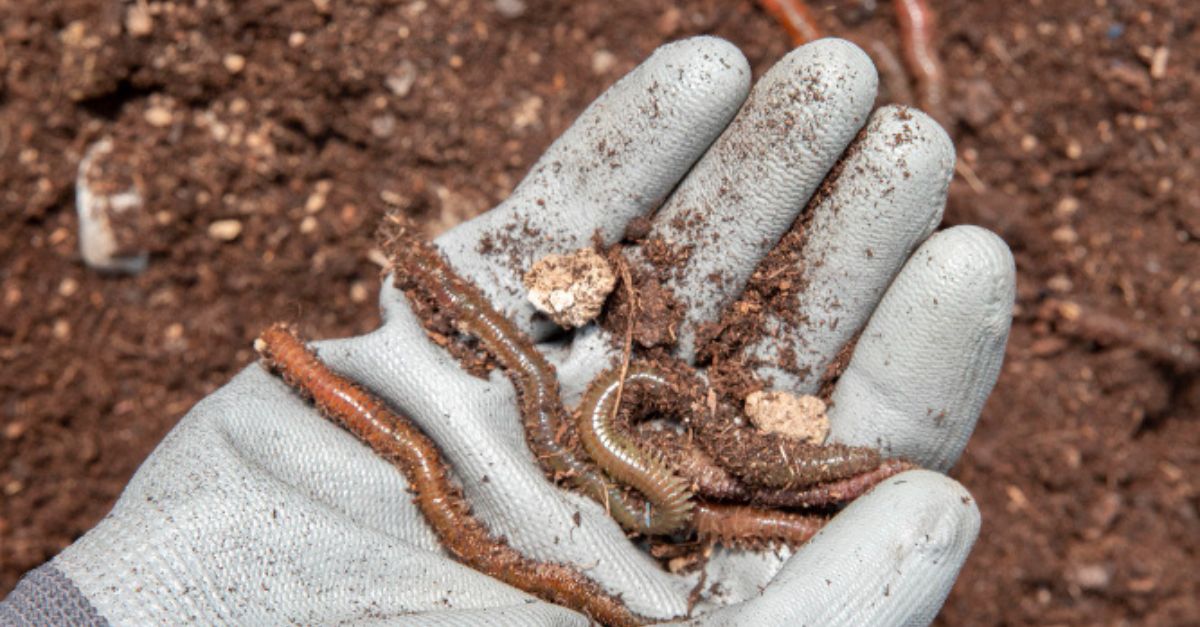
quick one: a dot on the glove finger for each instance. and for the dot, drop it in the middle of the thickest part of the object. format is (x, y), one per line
(889, 558)
(617, 161)
(928, 358)
(749, 187)
(480, 434)
(884, 199)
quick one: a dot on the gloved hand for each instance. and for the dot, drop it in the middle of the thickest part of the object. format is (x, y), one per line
(255, 509)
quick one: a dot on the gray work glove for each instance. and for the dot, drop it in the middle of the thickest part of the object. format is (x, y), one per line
(255, 509)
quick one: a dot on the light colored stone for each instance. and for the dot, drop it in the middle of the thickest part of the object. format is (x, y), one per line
(159, 116)
(802, 417)
(138, 20)
(572, 288)
(234, 63)
(225, 230)
(603, 61)
(96, 206)
(510, 8)
(400, 80)
(527, 113)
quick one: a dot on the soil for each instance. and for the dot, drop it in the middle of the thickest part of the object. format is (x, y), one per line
(1077, 123)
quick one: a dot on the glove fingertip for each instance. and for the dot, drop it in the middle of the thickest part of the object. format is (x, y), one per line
(710, 64)
(889, 558)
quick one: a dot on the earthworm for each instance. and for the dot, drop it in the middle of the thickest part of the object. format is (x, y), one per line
(533, 378)
(795, 18)
(917, 27)
(620, 456)
(398, 440)
(772, 460)
(712, 481)
(740, 525)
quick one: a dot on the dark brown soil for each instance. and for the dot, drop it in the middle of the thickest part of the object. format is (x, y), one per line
(306, 121)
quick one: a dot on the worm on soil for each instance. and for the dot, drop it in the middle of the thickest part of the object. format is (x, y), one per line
(917, 27)
(398, 440)
(796, 19)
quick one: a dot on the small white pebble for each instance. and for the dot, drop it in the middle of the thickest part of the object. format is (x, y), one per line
(1074, 149)
(234, 63)
(400, 80)
(1158, 62)
(1091, 576)
(572, 288)
(68, 287)
(158, 116)
(225, 230)
(314, 203)
(1066, 207)
(96, 208)
(1064, 235)
(527, 113)
(799, 416)
(603, 61)
(510, 8)
(138, 21)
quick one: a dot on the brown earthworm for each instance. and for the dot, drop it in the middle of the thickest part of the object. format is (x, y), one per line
(712, 481)
(740, 525)
(796, 19)
(620, 456)
(398, 440)
(917, 27)
(772, 460)
(533, 378)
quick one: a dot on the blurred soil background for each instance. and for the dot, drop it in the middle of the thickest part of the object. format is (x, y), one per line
(268, 137)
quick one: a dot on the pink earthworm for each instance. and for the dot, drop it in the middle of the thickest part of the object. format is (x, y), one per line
(917, 27)
(745, 526)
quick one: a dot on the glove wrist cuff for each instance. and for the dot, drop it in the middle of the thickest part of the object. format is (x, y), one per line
(45, 596)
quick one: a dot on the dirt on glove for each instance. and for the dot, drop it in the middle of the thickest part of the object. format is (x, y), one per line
(270, 138)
